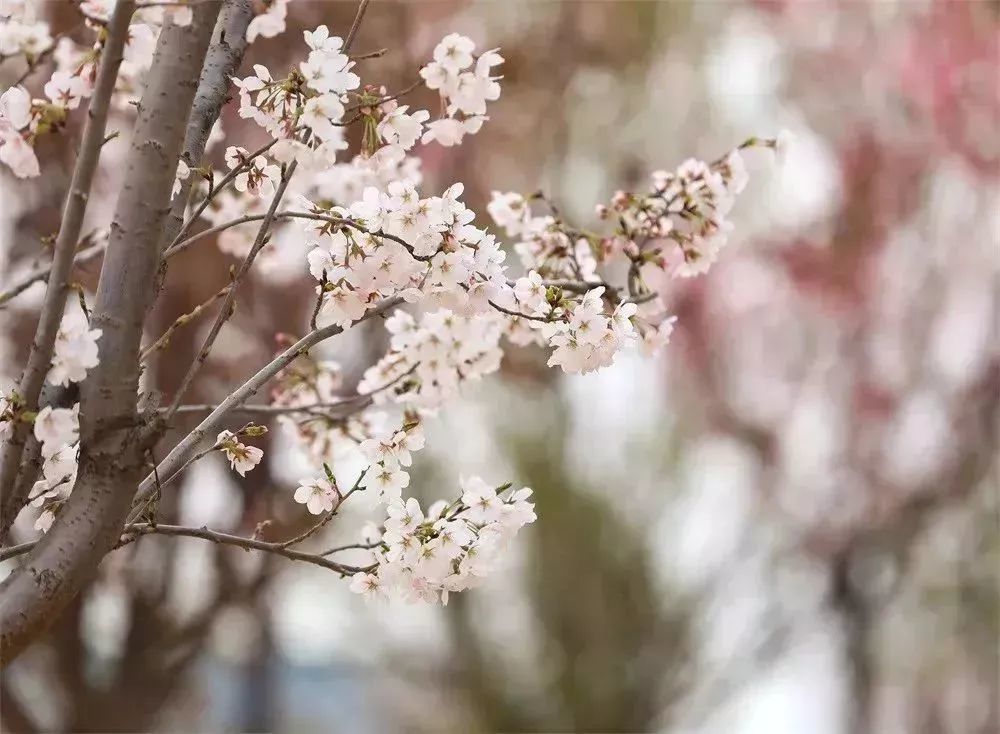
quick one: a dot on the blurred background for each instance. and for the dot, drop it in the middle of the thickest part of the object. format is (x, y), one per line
(787, 523)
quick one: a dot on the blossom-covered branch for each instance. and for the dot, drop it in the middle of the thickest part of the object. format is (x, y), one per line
(378, 244)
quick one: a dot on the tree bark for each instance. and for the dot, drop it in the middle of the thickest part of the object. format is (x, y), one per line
(221, 62)
(113, 450)
(40, 357)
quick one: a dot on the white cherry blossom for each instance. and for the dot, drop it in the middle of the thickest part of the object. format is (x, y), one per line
(242, 458)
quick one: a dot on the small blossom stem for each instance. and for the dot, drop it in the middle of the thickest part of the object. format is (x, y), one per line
(180, 321)
(247, 390)
(216, 188)
(41, 273)
(341, 499)
(227, 305)
(350, 546)
(183, 245)
(383, 100)
(214, 536)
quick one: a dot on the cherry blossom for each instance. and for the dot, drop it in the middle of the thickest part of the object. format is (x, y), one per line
(75, 349)
(15, 110)
(242, 458)
(386, 480)
(66, 89)
(376, 240)
(270, 23)
(20, 31)
(400, 128)
(424, 557)
(319, 495)
(56, 427)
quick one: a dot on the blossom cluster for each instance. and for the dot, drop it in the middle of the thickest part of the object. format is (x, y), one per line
(23, 119)
(451, 548)
(21, 33)
(308, 97)
(429, 360)
(58, 433)
(370, 235)
(387, 452)
(270, 22)
(677, 227)
(466, 83)
(75, 349)
(16, 117)
(398, 243)
(310, 382)
(242, 458)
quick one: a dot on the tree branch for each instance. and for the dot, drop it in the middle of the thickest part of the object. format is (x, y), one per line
(113, 453)
(175, 459)
(227, 304)
(164, 339)
(41, 273)
(262, 238)
(40, 357)
(221, 62)
(138, 529)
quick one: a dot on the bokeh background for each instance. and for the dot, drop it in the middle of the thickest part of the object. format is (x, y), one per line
(787, 523)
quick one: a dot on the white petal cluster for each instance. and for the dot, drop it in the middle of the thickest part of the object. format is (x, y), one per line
(465, 83)
(430, 361)
(75, 349)
(319, 495)
(370, 235)
(242, 458)
(309, 97)
(308, 382)
(343, 183)
(15, 117)
(20, 30)
(58, 433)
(688, 209)
(388, 454)
(269, 23)
(24, 120)
(454, 546)
(257, 177)
(398, 243)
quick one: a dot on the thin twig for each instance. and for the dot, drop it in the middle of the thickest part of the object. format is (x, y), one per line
(41, 273)
(370, 55)
(227, 305)
(518, 314)
(247, 390)
(351, 34)
(350, 546)
(321, 408)
(180, 321)
(317, 216)
(380, 101)
(132, 530)
(203, 204)
(341, 499)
